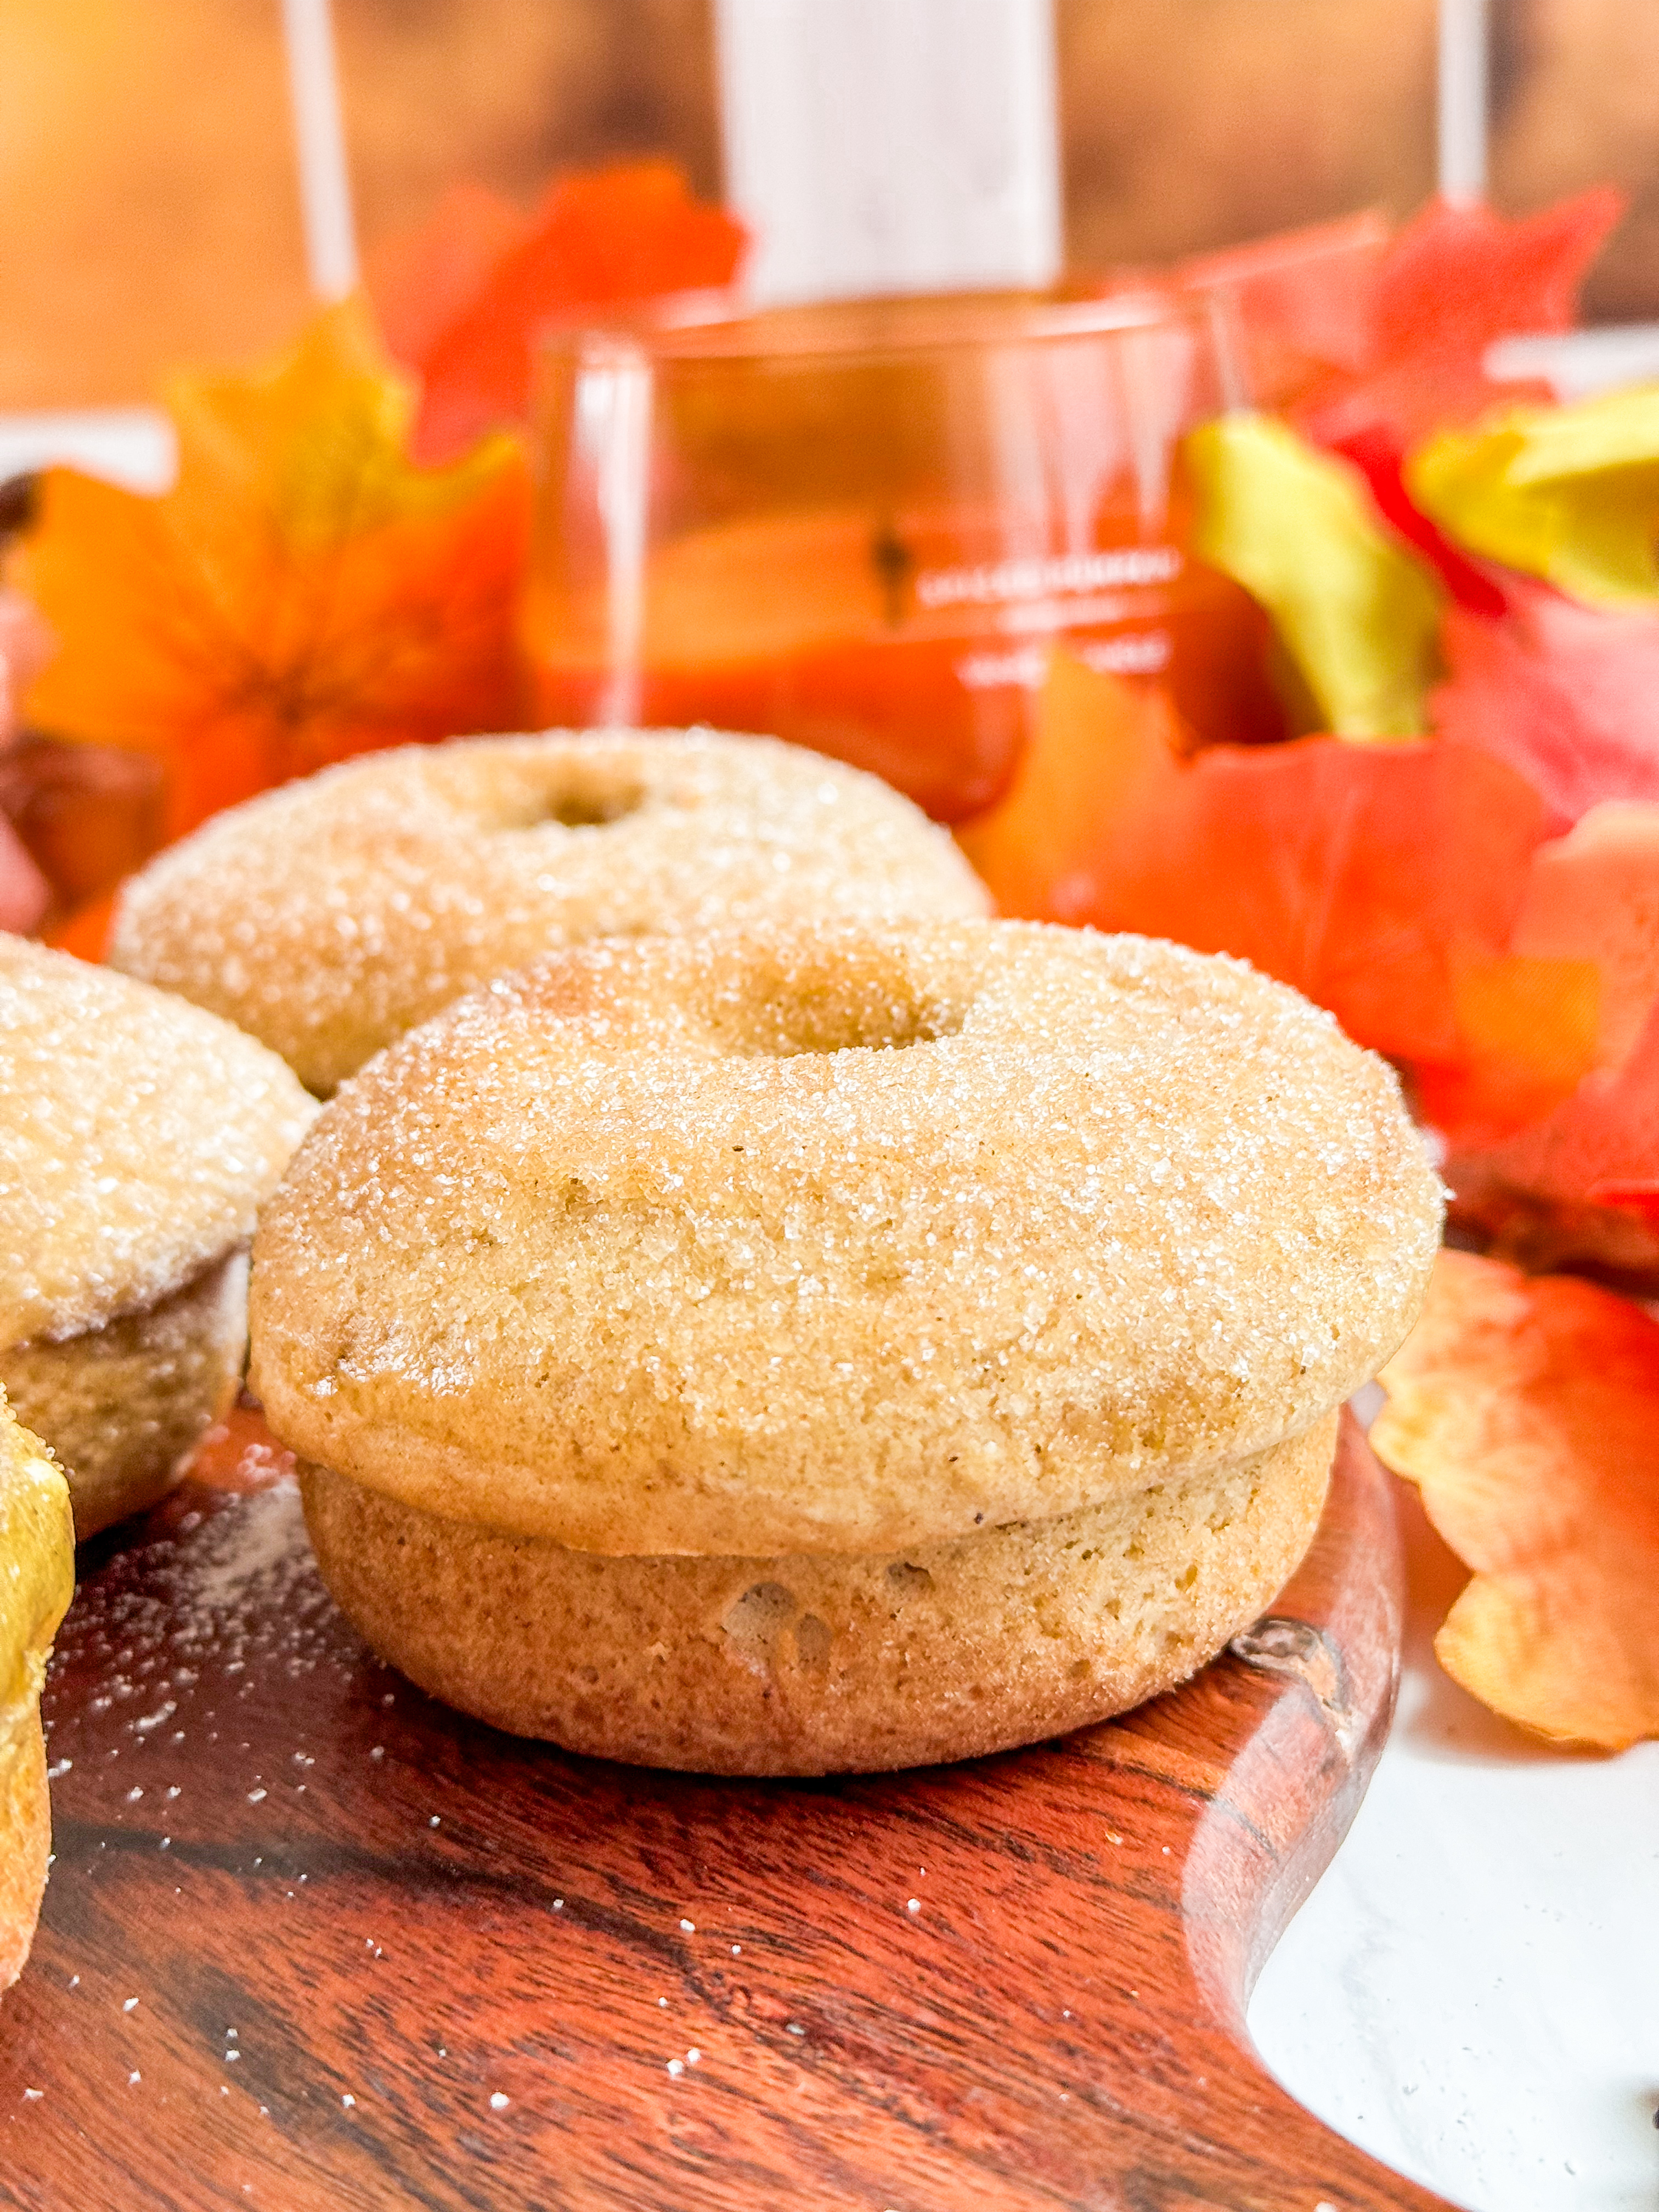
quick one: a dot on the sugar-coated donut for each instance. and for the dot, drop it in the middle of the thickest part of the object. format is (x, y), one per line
(37, 1580)
(137, 1137)
(330, 917)
(750, 1251)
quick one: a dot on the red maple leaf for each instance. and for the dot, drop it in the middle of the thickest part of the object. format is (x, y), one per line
(464, 300)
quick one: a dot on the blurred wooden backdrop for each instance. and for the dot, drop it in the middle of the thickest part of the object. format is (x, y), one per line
(148, 209)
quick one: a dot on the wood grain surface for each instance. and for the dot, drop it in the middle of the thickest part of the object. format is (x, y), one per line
(314, 1943)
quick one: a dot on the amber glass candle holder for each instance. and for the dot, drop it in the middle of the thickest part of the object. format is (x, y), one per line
(862, 527)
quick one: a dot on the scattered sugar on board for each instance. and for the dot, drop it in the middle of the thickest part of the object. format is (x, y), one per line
(258, 1545)
(232, 1590)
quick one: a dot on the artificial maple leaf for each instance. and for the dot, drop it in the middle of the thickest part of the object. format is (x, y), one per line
(1641, 1199)
(303, 593)
(1103, 755)
(605, 238)
(1549, 1192)
(1450, 284)
(1454, 281)
(24, 649)
(1358, 613)
(1374, 451)
(1573, 991)
(1568, 494)
(1368, 875)
(421, 279)
(1526, 1410)
(1528, 1030)
(1593, 895)
(25, 894)
(1568, 695)
(1571, 1188)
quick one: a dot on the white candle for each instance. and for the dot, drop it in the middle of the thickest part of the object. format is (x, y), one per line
(319, 139)
(1463, 101)
(891, 145)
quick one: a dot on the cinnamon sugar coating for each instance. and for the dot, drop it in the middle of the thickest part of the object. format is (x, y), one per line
(837, 1241)
(137, 1137)
(330, 917)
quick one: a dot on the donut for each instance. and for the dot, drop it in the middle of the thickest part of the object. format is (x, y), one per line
(137, 1137)
(328, 917)
(786, 1351)
(37, 1581)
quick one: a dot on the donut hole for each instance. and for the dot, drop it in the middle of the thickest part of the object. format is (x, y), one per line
(891, 1030)
(575, 802)
(830, 1013)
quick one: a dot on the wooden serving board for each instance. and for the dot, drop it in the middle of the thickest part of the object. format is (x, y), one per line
(314, 1943)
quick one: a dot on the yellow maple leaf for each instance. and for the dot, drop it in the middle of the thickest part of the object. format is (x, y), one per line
(1355, 610)
(1569, 494)
(302, 593)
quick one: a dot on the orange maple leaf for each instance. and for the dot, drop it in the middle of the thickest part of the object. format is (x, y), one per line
(1304, 301)
(1526, 1410)
(1569, 695)
(25, 894)
(1383, 881)
(303, 593)
(421, 279)
(1573, 1187)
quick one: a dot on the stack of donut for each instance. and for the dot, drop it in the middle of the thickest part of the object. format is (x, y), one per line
(138, 1136)
(140, 1133)
(741, 1308)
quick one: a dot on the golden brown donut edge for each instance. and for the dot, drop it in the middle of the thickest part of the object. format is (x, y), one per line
(813, 1664)
(126, 1404)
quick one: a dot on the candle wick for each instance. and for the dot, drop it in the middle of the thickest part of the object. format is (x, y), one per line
(894, 564)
